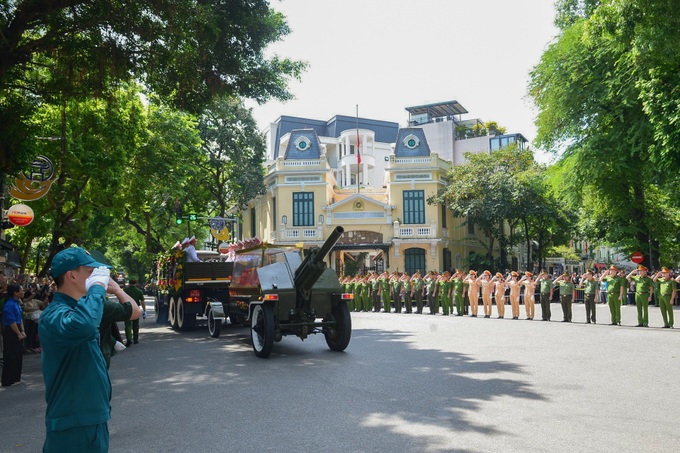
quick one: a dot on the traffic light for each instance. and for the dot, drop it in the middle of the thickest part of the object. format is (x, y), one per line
(193, 217)
(178, 219)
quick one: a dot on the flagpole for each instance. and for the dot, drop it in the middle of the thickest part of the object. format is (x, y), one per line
(358, 154)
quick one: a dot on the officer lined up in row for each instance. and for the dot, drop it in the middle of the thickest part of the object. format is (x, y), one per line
(446, 292)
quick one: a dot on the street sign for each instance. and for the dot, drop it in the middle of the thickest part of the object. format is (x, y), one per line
(20, 215)
(637, 257)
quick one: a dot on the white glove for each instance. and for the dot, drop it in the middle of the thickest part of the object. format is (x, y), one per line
(119, 346)
(100, 276)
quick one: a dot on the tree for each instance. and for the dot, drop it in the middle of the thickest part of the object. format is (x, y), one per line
(185, 51)
(608, 103)
(234, 151)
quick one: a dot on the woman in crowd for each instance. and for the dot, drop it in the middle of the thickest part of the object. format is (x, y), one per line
(13, 336)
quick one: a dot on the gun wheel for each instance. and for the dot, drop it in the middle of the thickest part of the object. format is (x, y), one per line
(338, 337)
(262, 330)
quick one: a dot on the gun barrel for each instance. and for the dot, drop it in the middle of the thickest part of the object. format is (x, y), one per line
(328, 245)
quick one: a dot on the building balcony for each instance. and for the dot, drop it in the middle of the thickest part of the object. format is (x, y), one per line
(297, 164)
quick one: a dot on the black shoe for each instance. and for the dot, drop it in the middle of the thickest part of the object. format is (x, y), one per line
(136, 341)
(128, 344)
(612, 324)
(666, 327)
(639, 325)
(515, 317)
(587, 322)
(474, 316)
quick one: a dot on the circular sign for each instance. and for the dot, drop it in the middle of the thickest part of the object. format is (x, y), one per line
(223, 248)
(20, 215)
(637, 257)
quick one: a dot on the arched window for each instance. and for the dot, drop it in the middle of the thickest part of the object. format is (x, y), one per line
(414, 260)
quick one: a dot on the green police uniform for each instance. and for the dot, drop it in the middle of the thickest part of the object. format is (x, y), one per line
(430, 288)
(418, 293)
(458, 288)
(385, 293)
(366, 296)
(375, 293)
(444, 298)
(666, 288)
(613, 297)
(545, 284)
(590, 290)
(566, 293)
(395, 285)
(408, 304)
(132, 327)
(642, 295)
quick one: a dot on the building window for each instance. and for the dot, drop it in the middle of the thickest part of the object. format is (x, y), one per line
(414, 206)
(471, 227)
(253, 231)
(274, 225)
(414, 260)
(446, 265)
(443, 216)
(303, 209)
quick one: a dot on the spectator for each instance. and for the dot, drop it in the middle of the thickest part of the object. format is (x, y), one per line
(12, 336)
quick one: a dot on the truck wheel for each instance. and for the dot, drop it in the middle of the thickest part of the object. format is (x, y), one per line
(172, 313)
(185, 321)
(214, 325)
(262, 330)
(338, 337)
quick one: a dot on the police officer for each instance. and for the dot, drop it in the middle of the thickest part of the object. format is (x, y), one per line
(614, 293)
(566, 294)
(430, 281)
(644, 288)
(384, 280)
(546, 287)
(590, 289)
(667, 293)
(417, 291)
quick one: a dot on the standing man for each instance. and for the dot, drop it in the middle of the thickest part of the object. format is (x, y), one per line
(417, 283)
(458, 290)
(395, 286)
(77, 385)
(375, 291)
(430, 289)
(473, 292)
(614, 293)
(566, 294)
(546, 288)
(132, 327)
(590, 286)
(667, 292)
(385, 291)
(408, 291)
(644, 288)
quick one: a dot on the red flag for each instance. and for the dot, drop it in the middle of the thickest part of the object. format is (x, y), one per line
(358, 147)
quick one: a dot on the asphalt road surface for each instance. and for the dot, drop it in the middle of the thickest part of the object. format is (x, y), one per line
(406, 383)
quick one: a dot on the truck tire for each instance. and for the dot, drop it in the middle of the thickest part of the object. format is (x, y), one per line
(214, 325)
(337, 338)
(262, 330)
(185, 321)
(172, 313)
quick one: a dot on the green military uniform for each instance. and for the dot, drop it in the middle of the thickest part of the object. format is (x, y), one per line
(132, 327)
(408, 304)
(566, 292)
(590, 290)
(395, 285)
(458, 288)
(348, 290)
(444, 298)
(366, 295)
(545, 285)
(385, 293)
(418, 293)
(375, 293)
(430, 288)
(642, 295)
(666, 288)
(356, 290)
(113, 312)
(613, 297)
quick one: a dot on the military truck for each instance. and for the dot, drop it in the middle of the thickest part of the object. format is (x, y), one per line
(288, 295)
(187, 290)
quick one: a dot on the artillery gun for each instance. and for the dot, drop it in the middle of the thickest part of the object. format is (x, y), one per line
(291, 296)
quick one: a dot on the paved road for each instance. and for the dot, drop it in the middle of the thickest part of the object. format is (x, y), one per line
(406, 383)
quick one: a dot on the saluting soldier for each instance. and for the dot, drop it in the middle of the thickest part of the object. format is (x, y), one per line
(430, 281)
(347, 285)
(644, 288)
(407, 287)
(417, 291)
(667, 293)
(590, 289)
(499, 287)
(458, 292)
(566, 294)
(365, 294)
(375, 291)
(546, 288)
(487, 289)
(443, 292)
(473, 292)
(514, 293)
(529, 290)
(356, 290)
(395, 285)
(385, 291)
(614, 293)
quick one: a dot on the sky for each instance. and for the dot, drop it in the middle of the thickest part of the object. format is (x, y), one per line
(386, 55)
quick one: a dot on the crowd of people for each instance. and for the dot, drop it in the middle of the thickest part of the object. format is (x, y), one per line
(461, 293)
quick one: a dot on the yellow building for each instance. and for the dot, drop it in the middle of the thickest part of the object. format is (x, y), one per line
(387, 227)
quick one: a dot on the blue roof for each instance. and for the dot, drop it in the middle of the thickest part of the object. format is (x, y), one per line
(303, 144)
(411, 142)
(385, 131)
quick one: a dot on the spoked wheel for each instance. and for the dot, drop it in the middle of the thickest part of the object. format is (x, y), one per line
(262, 330)
(214, 325)
(172, 313)
(338, 337)
(185, 321)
